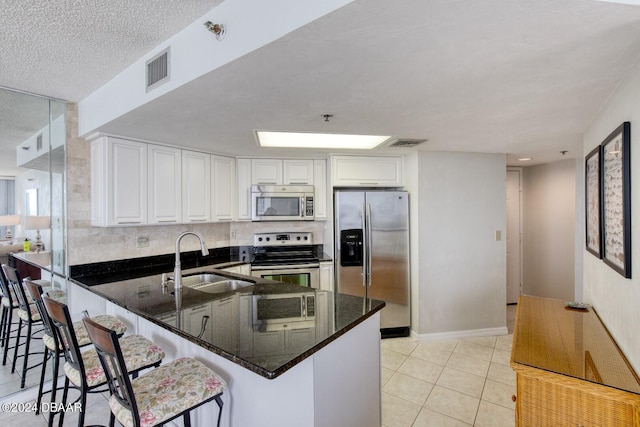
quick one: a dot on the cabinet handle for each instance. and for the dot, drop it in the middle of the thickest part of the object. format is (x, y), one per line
(267, 182)
(368, 183)
(298, 183)
(166, 220)
(128, 222)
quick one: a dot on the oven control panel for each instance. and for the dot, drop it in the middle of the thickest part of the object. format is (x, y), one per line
(282, 239)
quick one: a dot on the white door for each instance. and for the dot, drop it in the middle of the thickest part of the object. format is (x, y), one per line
(514, 239)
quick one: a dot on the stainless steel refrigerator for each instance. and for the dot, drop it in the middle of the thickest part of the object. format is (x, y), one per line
(372, 252)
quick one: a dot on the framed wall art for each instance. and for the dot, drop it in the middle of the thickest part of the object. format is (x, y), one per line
(616, 200)
(593, 207)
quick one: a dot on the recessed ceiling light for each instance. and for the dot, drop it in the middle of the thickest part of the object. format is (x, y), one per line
(319, 140)
(524, 159)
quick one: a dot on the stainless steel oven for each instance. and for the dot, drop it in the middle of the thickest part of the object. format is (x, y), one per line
(286, 257)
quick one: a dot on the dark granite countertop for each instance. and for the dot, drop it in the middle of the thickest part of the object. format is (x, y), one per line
(232, 331)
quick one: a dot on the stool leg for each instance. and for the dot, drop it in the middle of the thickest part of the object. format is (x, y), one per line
(6, 332)
(187, 419)
(64, 401)
(83, 405)
(219, 402)
(27, 344)
(15, 349)
(3, 321)
(54, 384)
(42, 375)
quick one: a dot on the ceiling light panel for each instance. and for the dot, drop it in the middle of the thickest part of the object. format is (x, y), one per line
(319, 140)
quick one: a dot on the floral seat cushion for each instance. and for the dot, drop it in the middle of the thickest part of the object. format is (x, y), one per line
(35, 314)
(7, 303)
(138, 352)
(169, 390)
(109, 322)
(49, 342)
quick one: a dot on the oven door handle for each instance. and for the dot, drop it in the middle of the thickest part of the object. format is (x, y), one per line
(284, 267)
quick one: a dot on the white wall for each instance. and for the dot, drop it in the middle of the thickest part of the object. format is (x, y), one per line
(549, 193)
(462, 267)
(615, 298)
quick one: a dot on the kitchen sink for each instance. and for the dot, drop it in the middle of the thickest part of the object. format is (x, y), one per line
(194, 280)
(221, 287)
(213, 283)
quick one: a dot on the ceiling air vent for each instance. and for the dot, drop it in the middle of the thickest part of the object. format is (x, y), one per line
(158, 69)
(407, 143)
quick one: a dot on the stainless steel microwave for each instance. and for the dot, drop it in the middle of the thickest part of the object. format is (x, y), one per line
(278, 312)
(282, 203)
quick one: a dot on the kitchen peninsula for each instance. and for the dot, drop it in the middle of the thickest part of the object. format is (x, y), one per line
(320, 370)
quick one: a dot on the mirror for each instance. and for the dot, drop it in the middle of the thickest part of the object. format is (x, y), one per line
(32, 169)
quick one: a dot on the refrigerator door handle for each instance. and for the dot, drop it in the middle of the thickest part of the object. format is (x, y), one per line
(369, 254)
(365, 249)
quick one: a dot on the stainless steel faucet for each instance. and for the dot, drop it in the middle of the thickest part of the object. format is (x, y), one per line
(177, 272)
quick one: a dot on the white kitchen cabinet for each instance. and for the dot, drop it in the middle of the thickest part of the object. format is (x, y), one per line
(165, 184)
(326, 276)
(193, 321)
(243, 188)
(239, 269)
(298, 172)
(366, 171)
(320, 184)
(118, 182)
(223, 333)
(223, 188)
(266, 171)
(196, 187)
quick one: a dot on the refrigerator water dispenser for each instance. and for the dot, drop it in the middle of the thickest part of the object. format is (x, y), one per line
(351, 248)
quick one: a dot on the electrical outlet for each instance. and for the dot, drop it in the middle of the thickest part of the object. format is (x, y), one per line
(233, 234)
(498, 235)
(142, 241)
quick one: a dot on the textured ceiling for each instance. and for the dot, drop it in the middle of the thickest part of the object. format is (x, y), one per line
(522, 77)
(66, 49)
(518, 77)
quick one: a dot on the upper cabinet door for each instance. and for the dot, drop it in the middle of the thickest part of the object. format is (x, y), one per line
(320, 184)
(196, 187)
(243, 189)
(298, 172)
(366, 171)
(266, 171)
(165, 188)
(119, 182)
(223, 188)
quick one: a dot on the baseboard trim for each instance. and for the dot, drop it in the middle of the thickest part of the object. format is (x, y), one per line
(470, 333)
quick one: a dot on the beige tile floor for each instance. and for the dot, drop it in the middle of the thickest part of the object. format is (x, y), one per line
(465, 382)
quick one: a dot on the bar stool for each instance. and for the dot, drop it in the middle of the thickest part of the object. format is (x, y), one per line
(8, 305)
(50, 337)
(83, 370)
(28, 315)
(158, 396)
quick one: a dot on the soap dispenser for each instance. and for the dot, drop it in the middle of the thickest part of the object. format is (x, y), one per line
(26, 247)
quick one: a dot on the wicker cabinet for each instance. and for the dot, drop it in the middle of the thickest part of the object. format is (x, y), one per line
(569, 371)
